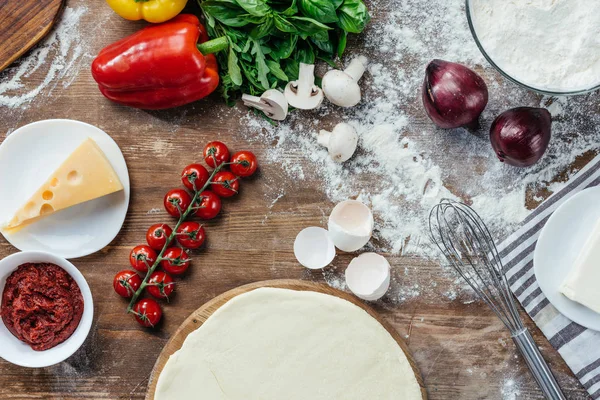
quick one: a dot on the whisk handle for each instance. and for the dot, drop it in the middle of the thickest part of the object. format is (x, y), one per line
(536, 363)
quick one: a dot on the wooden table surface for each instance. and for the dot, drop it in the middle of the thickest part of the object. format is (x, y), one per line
(462, 349)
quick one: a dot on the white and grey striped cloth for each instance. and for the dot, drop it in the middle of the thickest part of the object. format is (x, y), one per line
(580, 347)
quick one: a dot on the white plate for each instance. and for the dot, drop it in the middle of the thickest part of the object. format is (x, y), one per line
(20, 353)
(27, 158)
(559, 244)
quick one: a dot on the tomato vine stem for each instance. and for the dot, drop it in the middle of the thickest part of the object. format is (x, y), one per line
(182, 217)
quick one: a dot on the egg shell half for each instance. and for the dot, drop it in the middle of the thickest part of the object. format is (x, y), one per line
(368, 276)
(350, 225)
(314, 248)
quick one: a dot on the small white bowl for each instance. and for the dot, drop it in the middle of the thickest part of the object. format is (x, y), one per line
(368, 276)
(17, 352)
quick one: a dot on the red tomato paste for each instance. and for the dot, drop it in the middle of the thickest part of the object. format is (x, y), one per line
(41, 305)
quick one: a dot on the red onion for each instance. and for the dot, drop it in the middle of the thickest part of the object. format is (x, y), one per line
(521, 135)
(453, 95)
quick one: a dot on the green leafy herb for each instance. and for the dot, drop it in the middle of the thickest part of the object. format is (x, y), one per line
(268, 39)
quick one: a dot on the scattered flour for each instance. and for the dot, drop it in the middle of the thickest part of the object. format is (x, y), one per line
(405, 164)
(56, 60)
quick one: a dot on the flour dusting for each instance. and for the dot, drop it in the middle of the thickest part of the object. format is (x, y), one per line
(404, 164)
(56, 60)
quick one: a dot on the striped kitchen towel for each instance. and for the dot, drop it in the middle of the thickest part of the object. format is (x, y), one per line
(580, 347)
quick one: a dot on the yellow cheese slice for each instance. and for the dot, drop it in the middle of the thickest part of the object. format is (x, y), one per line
(85, 175)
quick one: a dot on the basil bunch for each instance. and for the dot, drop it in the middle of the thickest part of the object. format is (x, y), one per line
(269, 38)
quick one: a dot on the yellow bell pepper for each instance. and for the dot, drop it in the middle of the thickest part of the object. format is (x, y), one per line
(150, 10)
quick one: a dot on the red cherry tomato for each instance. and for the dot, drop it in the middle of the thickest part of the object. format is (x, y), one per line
(142, 257)
(209, 205)
(157, 236)
(147, 312)
(126, 283)
(243, 163)
(225, 184)
(177, 201)
(160, 285)
(194, 177)
(215, 154)
(190, 235)
(175, 261)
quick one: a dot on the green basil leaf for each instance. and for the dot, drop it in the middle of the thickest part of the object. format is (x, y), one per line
(292, 69)
(343, 38)
(284, 25)
(308, 26)
(337, 3)
(305, 53)
(283, 48)
(291, 10)
(257, 8)
(233, 68)
(263, 29)
(320, 10)
(321, 40)
(228, 13)
(353, 16)
(276, 70)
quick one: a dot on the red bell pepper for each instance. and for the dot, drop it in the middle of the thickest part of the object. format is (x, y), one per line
(161, 66)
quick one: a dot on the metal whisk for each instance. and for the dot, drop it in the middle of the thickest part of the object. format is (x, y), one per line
(466, 242)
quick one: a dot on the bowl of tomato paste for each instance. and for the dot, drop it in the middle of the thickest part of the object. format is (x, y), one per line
(46, 309)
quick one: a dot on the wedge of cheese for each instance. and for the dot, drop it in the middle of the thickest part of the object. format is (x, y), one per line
(583, 282)
(85, 175)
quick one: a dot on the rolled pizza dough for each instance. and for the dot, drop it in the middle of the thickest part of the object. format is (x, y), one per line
(273, 344)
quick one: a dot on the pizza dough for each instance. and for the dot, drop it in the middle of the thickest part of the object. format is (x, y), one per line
(273, 344)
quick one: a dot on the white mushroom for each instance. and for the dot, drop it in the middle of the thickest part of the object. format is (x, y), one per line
(272, 103)
(341, 87)
(341, 142)
(303, 93)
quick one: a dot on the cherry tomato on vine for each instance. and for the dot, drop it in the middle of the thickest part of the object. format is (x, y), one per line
(147, 312)
(175, 261)
(243, 163)
(216, 151)
(209, 205)
(142, 257)
(126, 283)
(190, 235)
(194, 177)
(177, 201)
(225, 184)
(160, 285)
(157, 236)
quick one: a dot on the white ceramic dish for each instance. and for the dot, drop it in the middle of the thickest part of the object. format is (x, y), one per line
(19, 353)
(27, 157)
(559, 244)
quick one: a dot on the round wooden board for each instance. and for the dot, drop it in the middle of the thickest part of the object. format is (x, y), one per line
(199, 316)
(23, 23)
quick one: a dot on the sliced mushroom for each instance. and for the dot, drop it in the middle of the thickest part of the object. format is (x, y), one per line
(303, 93)
(341, 87)
(272, 103)
(341, 142)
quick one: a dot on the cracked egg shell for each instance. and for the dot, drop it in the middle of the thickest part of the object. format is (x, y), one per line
(350, 225)
(314, 248)
(368, 276)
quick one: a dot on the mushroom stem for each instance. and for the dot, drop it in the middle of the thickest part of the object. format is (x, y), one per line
(306, 79)
(357, 68)
(253, 101)
(323, 138)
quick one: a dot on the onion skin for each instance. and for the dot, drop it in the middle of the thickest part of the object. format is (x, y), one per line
(520, 136)
(453, 95)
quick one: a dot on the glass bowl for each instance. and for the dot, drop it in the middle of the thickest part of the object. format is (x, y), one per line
(468, 8)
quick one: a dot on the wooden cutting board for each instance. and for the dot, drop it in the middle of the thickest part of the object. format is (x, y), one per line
(23, 23)
(199, 316)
